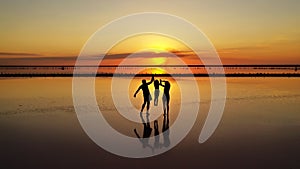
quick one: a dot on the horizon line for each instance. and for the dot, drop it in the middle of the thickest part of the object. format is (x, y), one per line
(151, 74)
(188, 65)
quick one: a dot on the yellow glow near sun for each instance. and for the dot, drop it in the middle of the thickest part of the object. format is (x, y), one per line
(154, 71)
(151, 42)
(158, 71)
(160, 46)
(158, 60)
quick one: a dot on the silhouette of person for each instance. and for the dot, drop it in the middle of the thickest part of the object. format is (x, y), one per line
(146, 93)
(166, 95)
(146, 133)
(156, 92)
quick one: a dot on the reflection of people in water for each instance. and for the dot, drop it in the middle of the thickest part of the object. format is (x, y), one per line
(146, 93)
(148, 130)
(146, 133)
(166, 95)
(156, 134)
(156, 92)
(166, 131)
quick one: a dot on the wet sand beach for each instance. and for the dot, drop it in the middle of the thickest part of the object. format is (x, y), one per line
(260, 127)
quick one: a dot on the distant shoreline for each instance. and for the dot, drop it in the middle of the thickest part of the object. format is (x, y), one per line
(149, 66)
(157, 75)
(287, 70)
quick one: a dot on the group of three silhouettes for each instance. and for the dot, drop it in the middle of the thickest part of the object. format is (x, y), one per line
(147, 95)
(147, 98)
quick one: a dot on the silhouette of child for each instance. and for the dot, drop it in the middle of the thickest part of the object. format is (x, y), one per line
(156, 92)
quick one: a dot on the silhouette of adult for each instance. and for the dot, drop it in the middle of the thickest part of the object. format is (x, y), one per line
(146, 93)
(166, 95)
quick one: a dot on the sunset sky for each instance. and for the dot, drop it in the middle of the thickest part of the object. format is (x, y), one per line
(243, 31)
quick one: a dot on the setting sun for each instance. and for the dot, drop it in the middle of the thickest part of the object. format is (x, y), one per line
(158, 71)
(161, 46)
(150, 84)
(153, 71)
(151, 42)
(158, 60)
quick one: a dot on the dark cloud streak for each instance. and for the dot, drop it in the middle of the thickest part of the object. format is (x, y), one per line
(18, 54)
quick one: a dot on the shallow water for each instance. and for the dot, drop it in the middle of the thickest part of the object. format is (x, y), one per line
(260, 127)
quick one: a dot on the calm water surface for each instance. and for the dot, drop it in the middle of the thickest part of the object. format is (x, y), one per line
(260, 127)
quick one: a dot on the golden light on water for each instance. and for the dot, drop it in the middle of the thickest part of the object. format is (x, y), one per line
(158, 71)
(153, 71)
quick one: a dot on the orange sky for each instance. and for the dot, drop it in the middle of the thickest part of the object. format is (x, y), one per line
(243, 32)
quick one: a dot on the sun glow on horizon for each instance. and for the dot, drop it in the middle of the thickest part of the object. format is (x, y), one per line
(153, 71)
(147, 49)
(158, 60)
(243, 32)
(159, 71)
(151, 42)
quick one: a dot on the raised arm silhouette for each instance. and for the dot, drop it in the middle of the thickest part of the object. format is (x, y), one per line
(146, 93)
